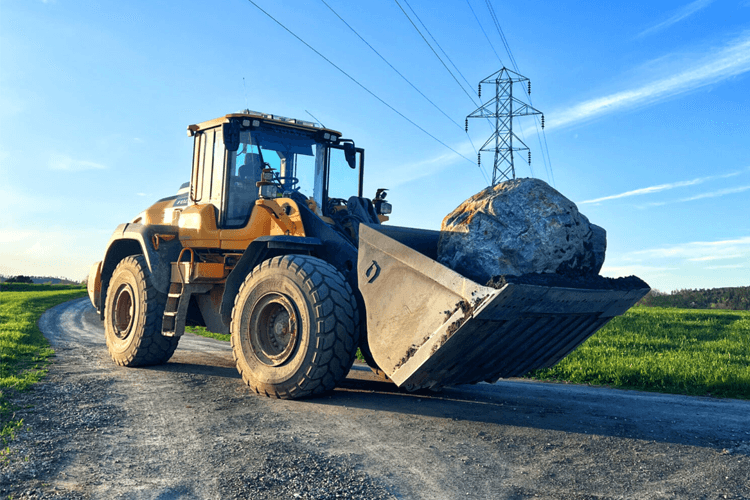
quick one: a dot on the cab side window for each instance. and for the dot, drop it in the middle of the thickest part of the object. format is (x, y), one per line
(245, 167)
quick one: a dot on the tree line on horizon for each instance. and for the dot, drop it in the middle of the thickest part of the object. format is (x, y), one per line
(733, 298)
(38, 280)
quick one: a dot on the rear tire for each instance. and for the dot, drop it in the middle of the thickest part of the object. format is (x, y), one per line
(133, 314)
(295, 327)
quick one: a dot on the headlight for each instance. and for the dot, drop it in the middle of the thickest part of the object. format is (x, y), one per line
(267, 190)
(384, 208)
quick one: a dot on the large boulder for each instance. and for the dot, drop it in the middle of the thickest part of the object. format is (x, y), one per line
(520, 227)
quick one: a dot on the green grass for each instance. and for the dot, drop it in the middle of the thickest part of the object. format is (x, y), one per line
(679, 351)
(23, 349)
(201, 330)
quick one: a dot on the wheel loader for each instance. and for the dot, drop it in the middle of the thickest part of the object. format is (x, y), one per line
(273, 242)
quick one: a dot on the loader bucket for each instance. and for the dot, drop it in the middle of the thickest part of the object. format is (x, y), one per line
(428, 326)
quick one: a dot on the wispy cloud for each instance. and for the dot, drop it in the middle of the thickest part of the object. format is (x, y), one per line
(728, 266)
(716, 257)
(662, 187)
(700, 251)
(678, 16)
(710, 194)
(732, 59)
(629, 270)
(64, 162)
(401, 174)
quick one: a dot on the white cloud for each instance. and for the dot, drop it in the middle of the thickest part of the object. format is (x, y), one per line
(716, 257)
(710, 194)
(66, 163)
(662, 187)
(730, 60)
(728, 266)
(698, 251)
(678, 16)
(634, 270)
(696, 264)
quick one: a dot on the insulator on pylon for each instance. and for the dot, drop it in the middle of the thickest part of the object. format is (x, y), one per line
(529, 157)
(467, 124)
(529, 87)
(542, 122)
(479, 158)
(480, 90)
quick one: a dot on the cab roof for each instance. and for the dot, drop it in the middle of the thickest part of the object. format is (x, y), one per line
(264, 118)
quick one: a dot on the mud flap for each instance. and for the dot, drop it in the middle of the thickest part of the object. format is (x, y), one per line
(428, 326)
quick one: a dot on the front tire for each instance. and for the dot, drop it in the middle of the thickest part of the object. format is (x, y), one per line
(133, 315)
(294, 327)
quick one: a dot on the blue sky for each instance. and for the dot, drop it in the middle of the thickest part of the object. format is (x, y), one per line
(646, 104)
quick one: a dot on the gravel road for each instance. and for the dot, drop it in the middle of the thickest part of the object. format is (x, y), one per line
(191, 429)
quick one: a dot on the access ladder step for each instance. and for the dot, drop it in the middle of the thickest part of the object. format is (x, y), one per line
(175, 310)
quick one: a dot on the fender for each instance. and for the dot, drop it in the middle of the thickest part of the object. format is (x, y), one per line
(138, 239)
(260, 249)
(324, 242)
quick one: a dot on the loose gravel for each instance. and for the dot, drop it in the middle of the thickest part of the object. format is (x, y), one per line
(191, 429)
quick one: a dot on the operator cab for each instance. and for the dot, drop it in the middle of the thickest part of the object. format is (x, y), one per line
(301, 160)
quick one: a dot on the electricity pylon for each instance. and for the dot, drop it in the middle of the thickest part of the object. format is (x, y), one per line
(503, 107)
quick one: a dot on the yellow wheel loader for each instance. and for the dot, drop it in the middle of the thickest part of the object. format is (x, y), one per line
(272, 241)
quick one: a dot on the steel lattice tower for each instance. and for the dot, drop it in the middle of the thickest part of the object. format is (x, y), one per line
(504, 142)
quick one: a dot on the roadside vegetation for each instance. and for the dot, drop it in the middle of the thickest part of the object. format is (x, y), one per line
(201, 330)
(24, 351)
(735, 298)
(678, 351)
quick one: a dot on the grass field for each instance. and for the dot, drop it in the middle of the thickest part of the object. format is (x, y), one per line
(23, 348)
(679, 351)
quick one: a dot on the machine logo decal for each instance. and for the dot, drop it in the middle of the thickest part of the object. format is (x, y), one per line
(372, 272)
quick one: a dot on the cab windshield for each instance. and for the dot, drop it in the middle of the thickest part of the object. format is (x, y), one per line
(294, 155)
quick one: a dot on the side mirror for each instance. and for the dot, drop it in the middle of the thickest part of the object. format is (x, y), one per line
(350, 154)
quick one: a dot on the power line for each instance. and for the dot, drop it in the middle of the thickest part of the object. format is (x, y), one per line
(444, 65)
(485, 33)
(355, 81)
(438, 45)
(502, 35)
(391, 66)
(436, 54)
(402, 76)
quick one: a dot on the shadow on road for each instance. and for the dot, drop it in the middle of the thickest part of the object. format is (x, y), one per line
(664, 418)
(684, 420)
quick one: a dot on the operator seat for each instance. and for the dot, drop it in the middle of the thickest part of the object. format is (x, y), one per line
(251, 169)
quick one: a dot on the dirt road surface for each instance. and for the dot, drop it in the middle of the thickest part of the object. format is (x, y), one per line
(191, 429)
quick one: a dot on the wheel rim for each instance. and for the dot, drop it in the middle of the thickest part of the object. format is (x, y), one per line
(122, 317)
(273, 329)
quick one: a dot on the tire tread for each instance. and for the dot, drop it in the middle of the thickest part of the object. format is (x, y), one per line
(335, 344)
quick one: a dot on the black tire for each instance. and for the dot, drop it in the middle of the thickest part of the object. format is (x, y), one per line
(295, 327)
(133, 314)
